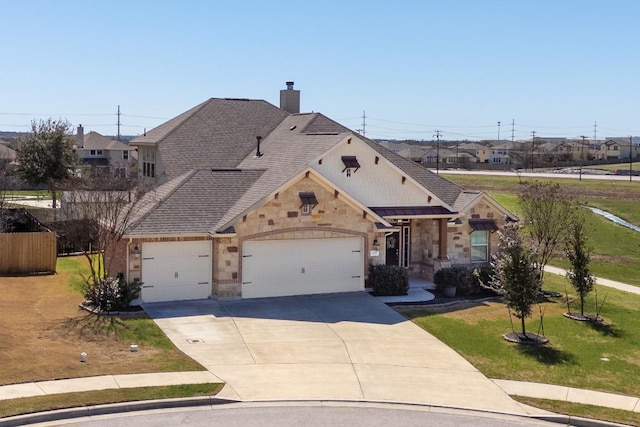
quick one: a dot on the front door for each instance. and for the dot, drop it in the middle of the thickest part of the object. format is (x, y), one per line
(393, 249)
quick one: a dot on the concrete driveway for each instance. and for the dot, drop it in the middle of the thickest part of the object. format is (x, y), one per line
(340, 346)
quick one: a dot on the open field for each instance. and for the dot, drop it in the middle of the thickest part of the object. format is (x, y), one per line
(574, 354)
(43, 332)
(616, 166)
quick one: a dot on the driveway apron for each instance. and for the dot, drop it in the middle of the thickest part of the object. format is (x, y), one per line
(339, 346)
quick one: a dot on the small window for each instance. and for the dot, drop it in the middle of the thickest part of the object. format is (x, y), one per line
(99, 152)
(125, 155)
(305, 209)
(348, 172)
(480, 246)
(93, 152)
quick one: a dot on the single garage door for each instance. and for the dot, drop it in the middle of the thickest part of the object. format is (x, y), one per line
(174, 271)
(300, 267)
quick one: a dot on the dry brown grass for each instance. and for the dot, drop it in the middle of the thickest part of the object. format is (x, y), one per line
(43, 332)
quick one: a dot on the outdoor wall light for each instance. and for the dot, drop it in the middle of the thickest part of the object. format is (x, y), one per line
(376, 243)
(136, 250)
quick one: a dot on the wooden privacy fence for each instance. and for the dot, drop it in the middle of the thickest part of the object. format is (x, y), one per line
(27, 253)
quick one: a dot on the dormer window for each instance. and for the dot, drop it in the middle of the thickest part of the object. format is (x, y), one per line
(309, 201)
(350, 164)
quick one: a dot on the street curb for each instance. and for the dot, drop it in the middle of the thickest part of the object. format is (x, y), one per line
(115, 408)
(190, 402)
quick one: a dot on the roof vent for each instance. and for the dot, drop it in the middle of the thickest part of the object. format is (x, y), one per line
(258, 153)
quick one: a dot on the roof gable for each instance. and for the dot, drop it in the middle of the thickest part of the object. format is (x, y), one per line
(442, 188)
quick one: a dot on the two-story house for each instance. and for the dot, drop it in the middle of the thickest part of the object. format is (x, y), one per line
(252, 200)
(101, 155)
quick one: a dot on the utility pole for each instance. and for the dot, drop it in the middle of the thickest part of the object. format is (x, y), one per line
(513, 129)
(533, 147)
(364, 123)
(630, 157)
(498, 131)
(118, 123)
(582, 156)
(438, 134)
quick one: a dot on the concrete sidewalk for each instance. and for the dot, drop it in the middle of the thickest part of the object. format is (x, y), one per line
(105, 382)
(569, 394)
(519, 388)
(600, 281)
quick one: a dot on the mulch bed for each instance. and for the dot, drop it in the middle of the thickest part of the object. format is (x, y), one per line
(528, 338)
(583, 317)
(132, 312)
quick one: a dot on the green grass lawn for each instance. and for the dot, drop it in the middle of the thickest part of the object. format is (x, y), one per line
(573, 356)
(616, 249)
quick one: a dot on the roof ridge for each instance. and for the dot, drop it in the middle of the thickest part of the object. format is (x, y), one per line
(193, 112)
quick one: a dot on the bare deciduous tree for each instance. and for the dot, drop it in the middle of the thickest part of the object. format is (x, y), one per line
(549, 212)
(97, 213)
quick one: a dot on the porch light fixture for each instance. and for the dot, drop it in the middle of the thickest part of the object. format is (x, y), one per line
(376, 243)
(136, 250)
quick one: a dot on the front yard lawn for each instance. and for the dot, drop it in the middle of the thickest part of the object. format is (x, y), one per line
(596, 356)
(43, 332)
(574, 354)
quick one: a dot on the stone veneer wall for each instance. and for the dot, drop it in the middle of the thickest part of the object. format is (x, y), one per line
(459, 244)
(281, 218)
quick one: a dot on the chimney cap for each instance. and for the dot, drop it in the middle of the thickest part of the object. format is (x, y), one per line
(289, 85)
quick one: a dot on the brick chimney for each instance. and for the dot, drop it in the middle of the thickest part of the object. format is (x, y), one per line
(80, 137)
(290, 99)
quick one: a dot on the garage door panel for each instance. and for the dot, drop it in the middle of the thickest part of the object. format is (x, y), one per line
(174, 271)
(299, 267)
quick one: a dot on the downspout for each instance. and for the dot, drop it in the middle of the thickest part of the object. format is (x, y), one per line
(128, 260)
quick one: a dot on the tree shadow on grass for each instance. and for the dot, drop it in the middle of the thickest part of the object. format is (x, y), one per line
(92, 326)
(547, 355)
(606, 330)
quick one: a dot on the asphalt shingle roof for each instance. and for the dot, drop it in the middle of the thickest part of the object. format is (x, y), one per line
(219, 133)
(192, 203)
(95, 141)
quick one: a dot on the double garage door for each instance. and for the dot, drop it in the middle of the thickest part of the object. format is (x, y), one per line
(174, 271)
(300, 267)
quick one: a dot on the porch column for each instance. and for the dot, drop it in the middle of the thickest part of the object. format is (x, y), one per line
(442, 241)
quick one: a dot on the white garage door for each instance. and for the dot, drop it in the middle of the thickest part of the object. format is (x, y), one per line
(174, 271)
(300, 267)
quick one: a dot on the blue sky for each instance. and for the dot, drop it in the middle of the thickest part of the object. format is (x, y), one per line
(459, 66)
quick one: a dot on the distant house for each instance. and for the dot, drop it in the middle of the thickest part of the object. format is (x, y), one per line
(480, 152)
(503, 153)
(617, 149)
(102, 155)
(7, 157)
(252, 200)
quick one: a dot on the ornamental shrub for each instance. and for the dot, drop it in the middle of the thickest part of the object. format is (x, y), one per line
(388, 280)
(467, 280)
(112, 293)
